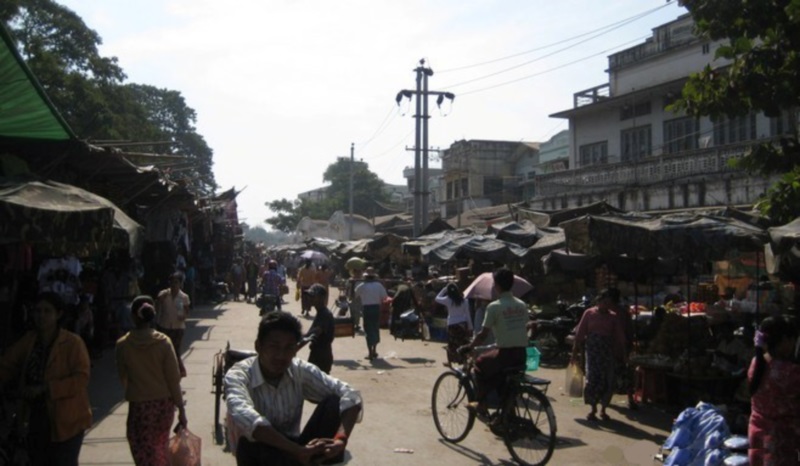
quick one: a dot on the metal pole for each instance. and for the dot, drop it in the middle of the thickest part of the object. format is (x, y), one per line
(425, 72)
(352, 162)
(417, 153)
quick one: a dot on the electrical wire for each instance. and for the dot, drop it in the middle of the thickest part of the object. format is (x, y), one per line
(380, 129)
(597, 32)
(587, 57)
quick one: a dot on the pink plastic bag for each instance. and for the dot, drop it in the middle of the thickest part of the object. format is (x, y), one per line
(184, 448)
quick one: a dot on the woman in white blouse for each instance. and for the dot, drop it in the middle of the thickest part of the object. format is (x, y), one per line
(459, 322)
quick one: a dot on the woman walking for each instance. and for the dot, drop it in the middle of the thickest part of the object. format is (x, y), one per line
(774, 429)
(148, 368)
(601, 337)
(459, 322)
(51, 369)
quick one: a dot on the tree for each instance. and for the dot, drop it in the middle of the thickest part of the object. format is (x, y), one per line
(367, 187)
(90, 93)
(762, 40)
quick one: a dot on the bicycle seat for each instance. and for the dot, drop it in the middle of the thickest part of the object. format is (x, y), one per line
(536, 380)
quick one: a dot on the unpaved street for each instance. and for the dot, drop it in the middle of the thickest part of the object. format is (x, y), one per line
(396, 391)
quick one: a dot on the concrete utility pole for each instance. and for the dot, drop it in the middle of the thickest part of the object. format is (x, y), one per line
(352, 162)
(420, 189)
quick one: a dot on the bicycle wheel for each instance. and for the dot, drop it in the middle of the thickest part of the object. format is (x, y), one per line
(530, 426)
(548, 344)
(449, 406)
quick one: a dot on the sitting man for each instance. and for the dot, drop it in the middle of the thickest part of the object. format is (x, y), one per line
(507, 319)
(265, 396)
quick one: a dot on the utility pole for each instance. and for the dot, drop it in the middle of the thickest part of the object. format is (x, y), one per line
(352, 162)
(420, 189)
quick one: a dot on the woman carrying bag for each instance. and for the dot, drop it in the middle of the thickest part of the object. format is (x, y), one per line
(600, 336)
(459, 321)
(148, 369)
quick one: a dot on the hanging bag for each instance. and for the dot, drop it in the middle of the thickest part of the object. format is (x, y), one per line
(184, 448)
(573, 381)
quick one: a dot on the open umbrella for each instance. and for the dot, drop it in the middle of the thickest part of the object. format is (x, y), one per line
(313, 255)
(483, 287)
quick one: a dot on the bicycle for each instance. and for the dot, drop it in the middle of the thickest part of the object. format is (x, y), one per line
(521, 414)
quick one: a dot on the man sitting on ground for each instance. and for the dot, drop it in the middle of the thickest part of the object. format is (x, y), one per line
(265, 396)
(506, 318)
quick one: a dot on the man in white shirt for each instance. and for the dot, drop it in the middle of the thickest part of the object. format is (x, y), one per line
(265, 396)
(371, 293)
(172, 309)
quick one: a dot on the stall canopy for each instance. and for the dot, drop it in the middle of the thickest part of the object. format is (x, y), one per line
(524, 234)
(27, 112)
(785, 245)
(61, 218)
(479, 248)
(692, 237)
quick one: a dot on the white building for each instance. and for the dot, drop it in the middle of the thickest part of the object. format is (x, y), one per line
(628, 148)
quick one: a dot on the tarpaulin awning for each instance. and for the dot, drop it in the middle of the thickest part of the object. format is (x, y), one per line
(692, 237)
(479, 248)
(26, 111)
(60, 217)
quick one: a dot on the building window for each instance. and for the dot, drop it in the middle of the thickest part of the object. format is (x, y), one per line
(635, 110)
(492, 185)
(593, 154)
(465, 187)
(706, 49)
(680, 134)
(449, 190)
(635, 143)
(531, 174)
(736, 129)
(781, 125)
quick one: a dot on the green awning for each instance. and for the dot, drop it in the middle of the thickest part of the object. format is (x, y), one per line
(25, 110)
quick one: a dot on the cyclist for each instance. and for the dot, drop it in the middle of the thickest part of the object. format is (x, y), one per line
(271, 283)
(506, 318)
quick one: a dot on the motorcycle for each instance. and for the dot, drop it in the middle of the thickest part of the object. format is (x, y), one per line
(552, 336)
(267, 303)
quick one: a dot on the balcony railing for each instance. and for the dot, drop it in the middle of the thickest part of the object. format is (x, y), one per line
(591, 96)
(650, 170)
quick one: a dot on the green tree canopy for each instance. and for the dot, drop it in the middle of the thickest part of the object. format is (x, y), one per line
(762, 40)
(367, 188)
(89, 90)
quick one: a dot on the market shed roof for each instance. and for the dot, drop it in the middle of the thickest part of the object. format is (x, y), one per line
(26, 111)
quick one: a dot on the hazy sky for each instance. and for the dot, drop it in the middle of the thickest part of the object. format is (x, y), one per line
(281, 88)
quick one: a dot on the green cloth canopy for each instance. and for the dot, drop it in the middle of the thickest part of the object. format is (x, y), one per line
(25, 110)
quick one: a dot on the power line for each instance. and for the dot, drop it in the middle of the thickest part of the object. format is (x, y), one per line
(605, 29)
(602, 52)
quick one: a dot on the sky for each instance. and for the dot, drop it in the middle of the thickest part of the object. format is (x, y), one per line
(283, 87)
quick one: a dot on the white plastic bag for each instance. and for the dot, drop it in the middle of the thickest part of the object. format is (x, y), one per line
(573, 381)
(185, 448)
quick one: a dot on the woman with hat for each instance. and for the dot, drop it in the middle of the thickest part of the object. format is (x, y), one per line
(148, 368)
(601, 337)
(372, 293)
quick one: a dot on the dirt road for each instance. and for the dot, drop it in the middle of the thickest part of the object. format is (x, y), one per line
(397, 393)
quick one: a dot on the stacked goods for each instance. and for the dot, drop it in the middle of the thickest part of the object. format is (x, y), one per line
(605, 278)
(707, 293)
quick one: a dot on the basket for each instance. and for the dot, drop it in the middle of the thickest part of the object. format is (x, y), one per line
(532, 361)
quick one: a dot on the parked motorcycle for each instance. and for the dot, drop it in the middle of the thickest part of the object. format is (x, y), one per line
(552, 336)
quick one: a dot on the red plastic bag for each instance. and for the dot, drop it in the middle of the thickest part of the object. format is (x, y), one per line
(184, 448)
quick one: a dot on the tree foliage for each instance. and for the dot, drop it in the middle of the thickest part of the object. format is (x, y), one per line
(367, 188)
(762, 41)
(90, 90)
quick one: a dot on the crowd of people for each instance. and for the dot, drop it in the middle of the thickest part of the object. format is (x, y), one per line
(50, 366)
